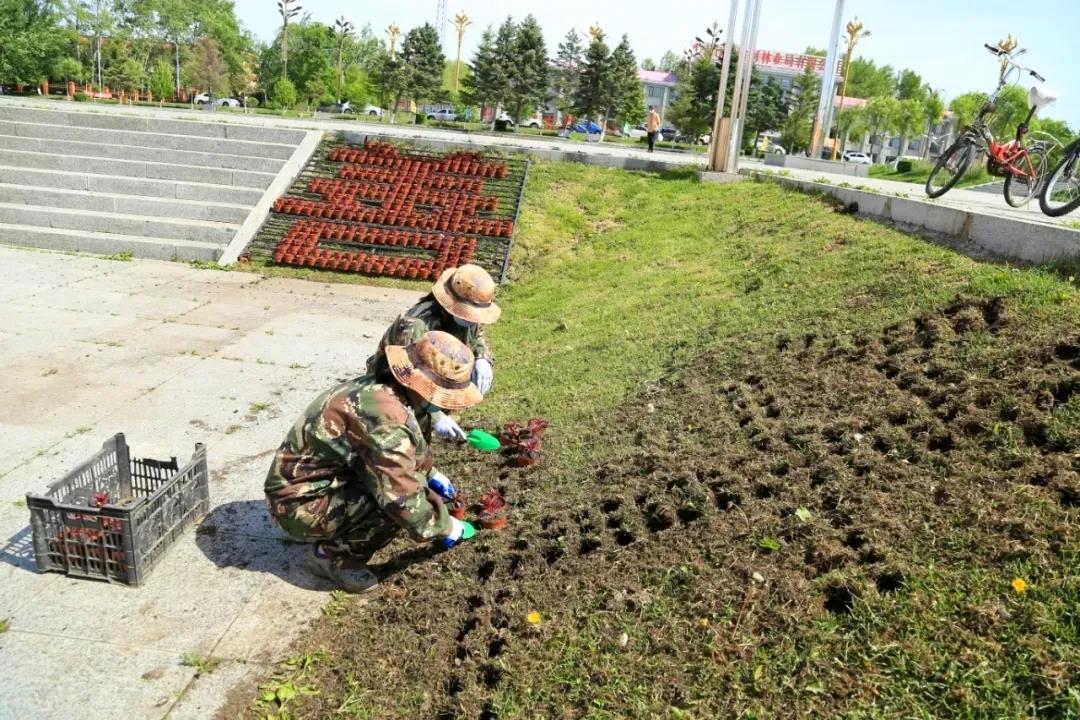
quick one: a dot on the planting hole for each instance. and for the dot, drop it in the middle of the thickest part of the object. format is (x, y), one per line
(855, 539)
(889, 582)
(725, 499)
(614, 522)
(610, 506)
(490, 675)
(658, 520)
(839, 599)
(521, 544)
(467, 628)
(488, 713)
(552, 555)
(486, 569)
(1067, 352)
(688, 514)
(496, 647)
(474, 602)
(624, 538)
(942, 443)
(502, 596)
(588, 546)
(454, 687)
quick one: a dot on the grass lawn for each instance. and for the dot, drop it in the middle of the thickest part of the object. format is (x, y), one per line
(920, 171)
(798, 466)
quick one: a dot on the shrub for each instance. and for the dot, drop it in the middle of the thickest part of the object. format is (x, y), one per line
(904, 166)
(283, 94)
(252, 102)
(80, 96)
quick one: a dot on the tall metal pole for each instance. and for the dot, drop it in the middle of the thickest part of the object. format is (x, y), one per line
(714, 139)
(828, 83)
(744, 62)
(751, 47)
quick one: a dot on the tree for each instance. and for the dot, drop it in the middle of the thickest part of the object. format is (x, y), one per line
(481, 84)
(423, 63)
(288, 9)
(315, 91)
(161, 82)
(1009, 111)
(765, 110)
(851, 121)
(819, 52)
(567, 70)
(101, 23)
(965, 107)
(648, 64)
(529, 74)
(628, 94)
(802, 105)
(208, 70)
(694, 108)
(933, 111)
(670, 62)
(125, 75)
(389, 79)
(176, 22)
(908, 120)
(867, 80)
(283, 94)
(68, 69)
(593, 94)
(881, 114)
(910, 86)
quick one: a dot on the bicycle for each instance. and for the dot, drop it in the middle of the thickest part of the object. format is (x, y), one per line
(1024, 166)
(1063, 185)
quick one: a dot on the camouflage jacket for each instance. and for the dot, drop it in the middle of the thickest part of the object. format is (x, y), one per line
(425, 316)
(363, 432)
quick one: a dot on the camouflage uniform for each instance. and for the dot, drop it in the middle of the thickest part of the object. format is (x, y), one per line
(353, 471)
(427, 315)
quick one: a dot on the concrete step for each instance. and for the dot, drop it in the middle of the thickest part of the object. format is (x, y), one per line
(60, 180)
(85, 115)
(147, 154)
(107, 243)
(136, 169)
(123, 204)
(131, 138)
(107, 222)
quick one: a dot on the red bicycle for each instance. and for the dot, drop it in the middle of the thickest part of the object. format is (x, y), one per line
(1025, 166)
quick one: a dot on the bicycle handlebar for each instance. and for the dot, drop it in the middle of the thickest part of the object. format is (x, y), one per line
(1000, 52)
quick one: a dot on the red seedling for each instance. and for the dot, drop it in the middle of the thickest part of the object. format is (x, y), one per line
(492, 510)
(458, 506)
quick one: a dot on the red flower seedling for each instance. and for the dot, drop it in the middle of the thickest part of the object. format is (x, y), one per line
(492, 510)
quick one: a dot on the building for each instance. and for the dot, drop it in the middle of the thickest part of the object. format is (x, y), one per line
(659, 89)
(785, 67)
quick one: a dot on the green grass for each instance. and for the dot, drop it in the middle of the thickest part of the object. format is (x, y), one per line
(920, 171)
(203, 664)
(621, 282)
(5, 625)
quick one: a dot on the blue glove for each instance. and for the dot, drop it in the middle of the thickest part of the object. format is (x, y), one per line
(482, 375)
(460, 531)
(441, 485)
(448, 429)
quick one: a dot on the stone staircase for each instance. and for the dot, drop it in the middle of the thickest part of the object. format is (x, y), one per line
(108, 183)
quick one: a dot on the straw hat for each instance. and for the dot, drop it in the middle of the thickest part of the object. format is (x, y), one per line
(439, 368)
(468, 292)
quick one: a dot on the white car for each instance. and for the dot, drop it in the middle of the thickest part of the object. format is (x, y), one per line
(536, 121)
(859, 158)
(201, 99)
(638, 131)
(227, 102)
(373, 110)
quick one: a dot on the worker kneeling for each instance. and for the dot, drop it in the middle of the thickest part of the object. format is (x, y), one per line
(357, 467)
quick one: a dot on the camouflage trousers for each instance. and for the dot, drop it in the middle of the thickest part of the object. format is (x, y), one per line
(345, 520)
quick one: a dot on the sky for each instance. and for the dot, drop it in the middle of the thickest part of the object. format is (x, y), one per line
(942, 40)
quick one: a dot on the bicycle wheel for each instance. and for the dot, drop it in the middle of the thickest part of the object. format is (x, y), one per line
(1061, 193)
(950, 167)
(1020, 189)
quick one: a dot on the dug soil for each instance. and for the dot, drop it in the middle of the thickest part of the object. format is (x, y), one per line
(830, 528)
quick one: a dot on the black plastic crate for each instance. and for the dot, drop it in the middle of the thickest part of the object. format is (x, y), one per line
(114, 516)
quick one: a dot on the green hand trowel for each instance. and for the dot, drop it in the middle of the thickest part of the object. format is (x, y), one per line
(483, 441)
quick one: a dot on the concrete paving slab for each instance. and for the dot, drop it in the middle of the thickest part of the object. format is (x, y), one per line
(113, 342)
(203, 695)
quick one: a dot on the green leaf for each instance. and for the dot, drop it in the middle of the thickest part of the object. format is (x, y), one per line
(770, 543)
(804, 514)
(268, 696)
(815, 688)
(286, 692)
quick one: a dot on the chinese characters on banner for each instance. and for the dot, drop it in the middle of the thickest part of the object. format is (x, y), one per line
(791, 61)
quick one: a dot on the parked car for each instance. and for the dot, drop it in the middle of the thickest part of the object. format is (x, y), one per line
(667, 134)
(373, 111)
(228, 102)
(536, 121)
(341, 108)
(638, 131)
(443, 115)
(859, 158)
(202, 99)
(587, 127)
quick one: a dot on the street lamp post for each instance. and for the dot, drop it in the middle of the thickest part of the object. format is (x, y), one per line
(461, 21)
(392, 32)
(855, 33)
(343, 29)
(720, 128)
(288, 10)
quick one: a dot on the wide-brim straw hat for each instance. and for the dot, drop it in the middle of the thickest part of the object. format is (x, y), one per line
(468, 292)
(439, 368)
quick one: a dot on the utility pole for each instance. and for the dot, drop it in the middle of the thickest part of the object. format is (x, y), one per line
(440, 23)
(855, 33)
(828, 84)
(461, 21)
(288, 10)
(742, 81)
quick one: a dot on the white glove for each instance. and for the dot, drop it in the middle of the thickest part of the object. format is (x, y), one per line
(448, 429)
(482, 375)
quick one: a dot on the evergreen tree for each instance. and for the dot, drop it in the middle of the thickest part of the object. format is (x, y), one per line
(628, 94)
(567, 70)
(423, 63)
(593, 94)
(161, 81)
(765, 110)
(209, 73)
(694, 108)
(389, 80)
(479, 85)
(504, 63)
(529, 73)
(801, 109)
